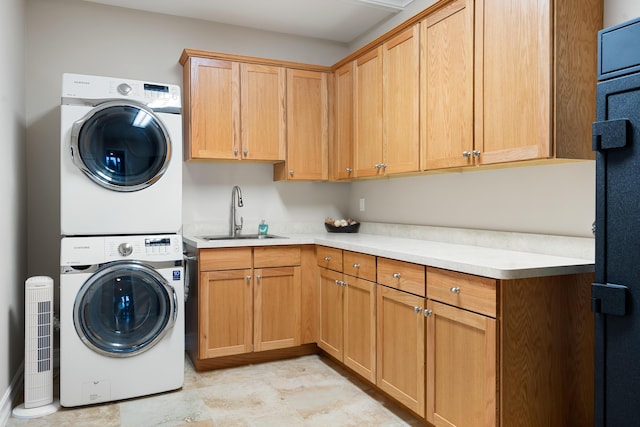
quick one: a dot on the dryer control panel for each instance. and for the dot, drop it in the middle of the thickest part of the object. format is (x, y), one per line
(100, 249)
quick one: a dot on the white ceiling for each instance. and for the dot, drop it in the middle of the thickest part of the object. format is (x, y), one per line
(336, 20)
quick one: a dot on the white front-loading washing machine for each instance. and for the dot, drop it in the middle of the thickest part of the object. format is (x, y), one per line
(121, 317)
(121, 156)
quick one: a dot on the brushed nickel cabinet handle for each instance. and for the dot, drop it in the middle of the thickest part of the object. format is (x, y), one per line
(455, 290)
(396, 275)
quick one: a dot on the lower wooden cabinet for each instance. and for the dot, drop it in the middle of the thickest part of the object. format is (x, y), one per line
(225, 313)
(347, 321)
(276, 308)
(242, 308)
(461, 367)
(401, 347)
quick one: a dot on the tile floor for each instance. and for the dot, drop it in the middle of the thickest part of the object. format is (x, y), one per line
(307, 391)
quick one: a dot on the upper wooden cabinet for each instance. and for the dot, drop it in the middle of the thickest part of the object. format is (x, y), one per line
(233, 110)
(446, 82)
(368, 114)
(341, 152)
(262, 107)
(387, 107)
(400, 100)
(535, 78)
(307, 127)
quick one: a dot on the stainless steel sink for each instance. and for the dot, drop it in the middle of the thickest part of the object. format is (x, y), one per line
(241, 237)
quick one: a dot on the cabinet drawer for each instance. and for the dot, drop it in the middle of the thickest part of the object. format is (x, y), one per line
(360, 265)
(224, 259)
(330, 258)
(276, 256)
(462, 290)
(401, 275)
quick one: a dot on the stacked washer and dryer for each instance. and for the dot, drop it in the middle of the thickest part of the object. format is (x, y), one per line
(121, 278)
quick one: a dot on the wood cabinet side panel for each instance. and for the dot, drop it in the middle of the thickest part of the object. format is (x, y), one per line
(546, 360)
(576, 54)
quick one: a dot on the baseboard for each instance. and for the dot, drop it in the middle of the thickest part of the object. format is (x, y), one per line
(10, 395)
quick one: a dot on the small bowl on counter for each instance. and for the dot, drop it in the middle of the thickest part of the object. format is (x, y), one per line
(351, 228)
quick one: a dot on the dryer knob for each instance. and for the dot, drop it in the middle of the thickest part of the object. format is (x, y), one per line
(124, 89)
(125, 249)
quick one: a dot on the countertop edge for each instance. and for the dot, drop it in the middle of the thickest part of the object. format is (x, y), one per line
(503, 264)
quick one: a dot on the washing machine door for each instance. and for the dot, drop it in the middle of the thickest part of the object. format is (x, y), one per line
(121, 145)
(124, 308)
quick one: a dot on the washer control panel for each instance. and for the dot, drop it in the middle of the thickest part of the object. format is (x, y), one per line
(144, 248)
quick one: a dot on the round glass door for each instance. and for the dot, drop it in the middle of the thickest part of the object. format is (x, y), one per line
(125, 308)
(121, 145)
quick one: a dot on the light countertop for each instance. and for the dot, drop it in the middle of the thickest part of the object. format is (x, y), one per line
(478, 260)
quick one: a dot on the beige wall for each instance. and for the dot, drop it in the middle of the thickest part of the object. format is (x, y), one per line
(619, 11)
(12, 194)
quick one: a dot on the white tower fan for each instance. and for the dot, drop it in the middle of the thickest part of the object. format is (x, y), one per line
(38, 349)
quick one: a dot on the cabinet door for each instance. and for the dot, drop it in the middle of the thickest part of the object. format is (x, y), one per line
(263, 112)
(368, 115)
(307, 127)
(342, 147)
(447, 86)
(401, 95)
(360, 327)
(212, 108)
(226, 313)
(513, 82)
(331, 309)
(461, 367)
(401, 347)
(276, 308)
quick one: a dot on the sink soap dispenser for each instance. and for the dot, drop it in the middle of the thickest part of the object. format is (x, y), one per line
(263, 228)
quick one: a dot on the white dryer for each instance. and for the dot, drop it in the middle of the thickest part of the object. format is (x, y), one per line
(121, 317)
(121, 157)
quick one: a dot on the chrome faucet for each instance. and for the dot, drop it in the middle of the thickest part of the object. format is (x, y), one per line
(234, 227)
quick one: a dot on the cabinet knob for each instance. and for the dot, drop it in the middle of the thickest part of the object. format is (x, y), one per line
(466, 154)
(248, 278)
(235, 151)
(476, 153)
(245, 152)
(396, 275)
(258, 278)
(327, 258)
(356, 265)
(428, 312)
(291, 172)
(383, 165)
(417, 309)
(376, 166)
(349, 170)
(455, 290)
